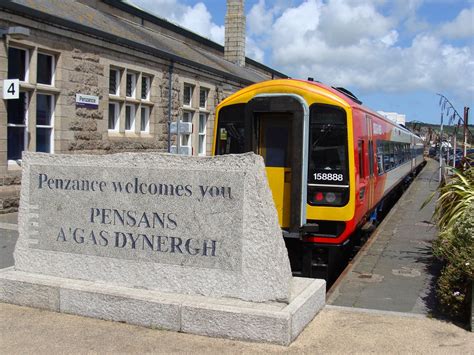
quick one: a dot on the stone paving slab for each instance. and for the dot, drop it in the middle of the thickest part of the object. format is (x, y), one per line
(393, 272)
(273, 322)
(335, 330)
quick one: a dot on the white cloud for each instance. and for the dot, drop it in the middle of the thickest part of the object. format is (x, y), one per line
(196, 18)
(353, 44)
(259, 19)
(350, 43)
(343, 23)
(252, 50)
(461, 27)
(167, 9)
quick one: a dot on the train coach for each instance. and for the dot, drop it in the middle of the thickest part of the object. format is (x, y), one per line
(331, 163)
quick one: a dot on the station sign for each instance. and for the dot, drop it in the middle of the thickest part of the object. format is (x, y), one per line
(88, 101)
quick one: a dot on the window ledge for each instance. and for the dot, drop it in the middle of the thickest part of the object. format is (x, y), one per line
(147, 103)
(116, 98)
(113, 133)
(132, 100)
(27, 86)
(14, 165)
(48, 89)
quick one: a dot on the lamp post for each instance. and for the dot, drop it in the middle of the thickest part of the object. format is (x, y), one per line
(441, 150)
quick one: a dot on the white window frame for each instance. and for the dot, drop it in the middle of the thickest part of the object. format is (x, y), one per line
(132, 118)
(189, 138)
(24, 125)
(53, 68)
(117, 81)
(148, 80)
(51, 122)
(187, 117)
(145, 109)
(202, 133)
(134, 85)
(206, 90)
(27, 63)
(191, 87)
(116, 118)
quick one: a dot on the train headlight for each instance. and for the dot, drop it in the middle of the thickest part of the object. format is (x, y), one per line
(330, 197)
(319, 196)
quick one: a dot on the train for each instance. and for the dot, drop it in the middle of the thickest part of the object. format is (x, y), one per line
(331, 163)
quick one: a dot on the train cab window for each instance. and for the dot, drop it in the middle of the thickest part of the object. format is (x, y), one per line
(328, 172)
(230, 137)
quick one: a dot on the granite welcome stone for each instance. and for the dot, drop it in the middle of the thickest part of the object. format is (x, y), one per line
(188, 225)
(180, 243)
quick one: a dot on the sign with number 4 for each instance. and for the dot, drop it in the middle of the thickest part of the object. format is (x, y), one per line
(11, 89)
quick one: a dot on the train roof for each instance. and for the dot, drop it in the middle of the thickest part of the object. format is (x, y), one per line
(337, 94)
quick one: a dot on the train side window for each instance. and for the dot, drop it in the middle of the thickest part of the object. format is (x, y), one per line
(230, 137)
(360, 146)
(380, 157)
(391, 146)
(386, 155)
(398, 154)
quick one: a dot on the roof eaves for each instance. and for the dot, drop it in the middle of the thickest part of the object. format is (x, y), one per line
(48, 18)
(134, 10)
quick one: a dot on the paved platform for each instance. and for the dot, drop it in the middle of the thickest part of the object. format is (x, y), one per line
(334, 331)
(8, 238)
(395, 270)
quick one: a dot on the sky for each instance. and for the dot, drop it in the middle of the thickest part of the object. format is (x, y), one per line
(394, 55)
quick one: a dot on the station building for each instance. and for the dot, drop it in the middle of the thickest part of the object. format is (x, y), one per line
(103, 76)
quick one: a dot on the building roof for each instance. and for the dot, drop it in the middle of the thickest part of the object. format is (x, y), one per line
(82, 18)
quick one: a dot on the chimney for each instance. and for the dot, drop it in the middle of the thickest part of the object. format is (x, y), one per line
(234, 49)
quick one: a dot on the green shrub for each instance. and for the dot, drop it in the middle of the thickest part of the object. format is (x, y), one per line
(452, 291)
(456, 248)
(455, 196)
(454, 215)
(456, 245)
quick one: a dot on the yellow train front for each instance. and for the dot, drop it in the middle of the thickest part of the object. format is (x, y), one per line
(324, 164)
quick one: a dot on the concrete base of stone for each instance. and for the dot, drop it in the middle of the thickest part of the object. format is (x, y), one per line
(272, 322)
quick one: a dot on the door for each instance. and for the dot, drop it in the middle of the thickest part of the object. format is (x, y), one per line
(371, 160)
(274, 144)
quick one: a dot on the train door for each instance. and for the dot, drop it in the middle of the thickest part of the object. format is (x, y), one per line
(274, 145)
(274, 126)
(371, 178)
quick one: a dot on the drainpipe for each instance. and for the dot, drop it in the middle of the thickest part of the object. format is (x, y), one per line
(170, 88)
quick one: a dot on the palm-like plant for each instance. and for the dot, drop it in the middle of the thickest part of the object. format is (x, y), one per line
(455, 196)
(454, 215)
